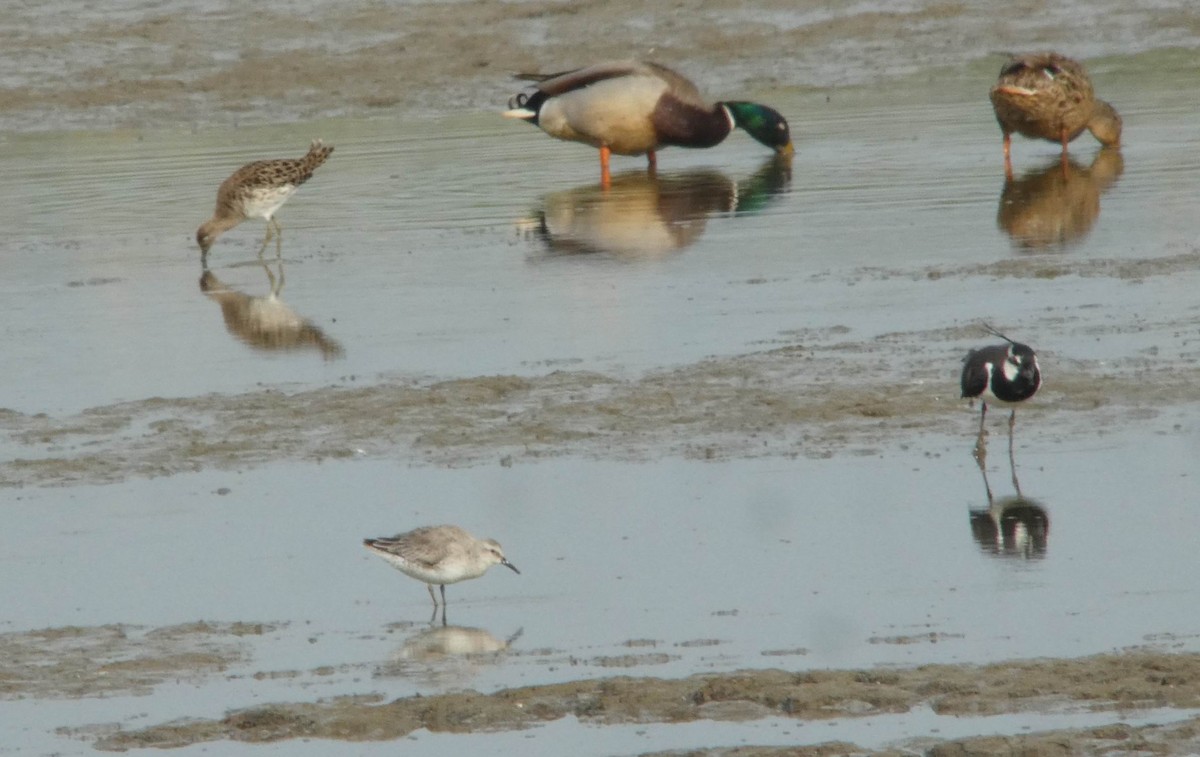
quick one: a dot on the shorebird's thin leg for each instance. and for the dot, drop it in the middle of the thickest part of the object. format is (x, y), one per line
(443, 615)
(1012, 423)
(434, 596)
(270, 276)
(652, 163)
(605, 176)
(443, 595)
(981, 460)
(278, 238)
(980, 452)
(1012, 461)
(266, 239)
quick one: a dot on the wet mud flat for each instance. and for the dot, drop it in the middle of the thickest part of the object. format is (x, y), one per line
(232, 64)
(822, 394)
(73, 663)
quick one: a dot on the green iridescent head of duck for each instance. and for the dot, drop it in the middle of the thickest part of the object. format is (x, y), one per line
(1105, 124)
(765, 124)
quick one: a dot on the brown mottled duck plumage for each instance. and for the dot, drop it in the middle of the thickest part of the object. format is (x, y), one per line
(257, 190)
(1050, 96)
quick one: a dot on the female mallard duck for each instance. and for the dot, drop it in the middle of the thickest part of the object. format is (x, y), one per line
(1049, 96)
(635, 108)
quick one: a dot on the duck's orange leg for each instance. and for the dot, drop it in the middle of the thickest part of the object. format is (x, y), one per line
(1008, 172)
(605, 176)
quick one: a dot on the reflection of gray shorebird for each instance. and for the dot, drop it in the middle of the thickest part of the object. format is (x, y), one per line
(1054, 206)
(637, 108)
(1001, 373)
(265, 322)
(257, 190)
(1050, 96)
(439, 555)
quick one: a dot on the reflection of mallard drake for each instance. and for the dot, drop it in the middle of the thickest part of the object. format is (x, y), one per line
(257, 190)
(637, 108)
(265, 322)
(644, 217)
(1049, 96)
(1054, 206)
(1012, 527)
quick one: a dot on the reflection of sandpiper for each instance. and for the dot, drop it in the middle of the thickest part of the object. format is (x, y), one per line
(439, 642)
(257, 190)
(636, 108)
(646, 217)
(447, 655)
(265, 322)
(439, 555)
(1050, 96)
(1000, 373)
(1057, 205)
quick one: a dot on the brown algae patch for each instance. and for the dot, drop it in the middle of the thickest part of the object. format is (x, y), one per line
(72, 661)
(1109, 683)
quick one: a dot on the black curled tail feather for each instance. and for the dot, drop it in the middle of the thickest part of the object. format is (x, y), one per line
(529, 100)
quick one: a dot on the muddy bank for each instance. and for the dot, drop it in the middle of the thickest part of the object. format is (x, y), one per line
(823, 394)
(1121, 683)
(226, 63)
(71, 662)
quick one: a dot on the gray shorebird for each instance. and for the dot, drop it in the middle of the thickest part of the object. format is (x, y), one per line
(257, 190)
(439, 555)
(636, 108)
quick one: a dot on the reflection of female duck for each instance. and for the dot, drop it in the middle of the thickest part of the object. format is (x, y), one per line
(1057, 205)
(265, 322)
(646, 217)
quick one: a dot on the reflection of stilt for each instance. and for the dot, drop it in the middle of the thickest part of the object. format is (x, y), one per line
(980, 454)
(1012, 462)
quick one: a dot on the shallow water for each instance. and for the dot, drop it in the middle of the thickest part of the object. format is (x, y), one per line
(437, 248)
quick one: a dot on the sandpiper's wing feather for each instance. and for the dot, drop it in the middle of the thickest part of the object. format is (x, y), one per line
(280, 171)
(425, 546)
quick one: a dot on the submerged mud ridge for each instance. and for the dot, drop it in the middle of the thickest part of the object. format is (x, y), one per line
(823, 394)
(1107, 683)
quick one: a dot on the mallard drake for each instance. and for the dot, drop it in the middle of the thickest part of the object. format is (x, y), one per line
(257, 190)
(1049, 96)
(635, 108)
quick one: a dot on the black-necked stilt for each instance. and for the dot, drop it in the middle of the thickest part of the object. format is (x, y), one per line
(1004, 373)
